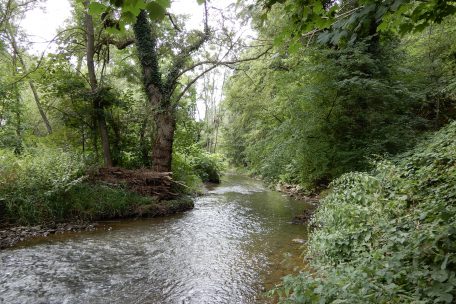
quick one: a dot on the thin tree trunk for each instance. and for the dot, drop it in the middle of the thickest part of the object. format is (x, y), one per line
(31, 84)
(17, 97)
(97, 106)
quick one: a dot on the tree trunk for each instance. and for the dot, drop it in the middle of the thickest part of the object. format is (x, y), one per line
(162, 150)
(32, 86)
(164, 113)
(143, 146)
(97, 104)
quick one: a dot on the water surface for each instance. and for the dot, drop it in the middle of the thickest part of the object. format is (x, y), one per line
(235, 244)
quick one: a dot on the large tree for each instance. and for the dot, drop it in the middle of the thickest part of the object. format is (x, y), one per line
(167, 57)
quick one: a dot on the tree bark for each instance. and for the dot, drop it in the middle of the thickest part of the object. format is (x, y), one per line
(164, 116)
(162, 150)
(159, 92)
(97, 103)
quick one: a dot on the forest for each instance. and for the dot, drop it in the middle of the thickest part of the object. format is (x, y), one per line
(134, 110)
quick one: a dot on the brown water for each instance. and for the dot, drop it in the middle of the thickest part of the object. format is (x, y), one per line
(235, 244)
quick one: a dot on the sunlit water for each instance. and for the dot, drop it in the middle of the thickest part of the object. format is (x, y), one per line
(233, 246)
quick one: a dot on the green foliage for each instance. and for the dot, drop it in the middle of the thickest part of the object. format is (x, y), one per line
(29, 183)
(308, 117)
(339, 22)
(126, 11)
(193, 165)
(208, 166)
(184, 172)
(46, 185)
(387, 236)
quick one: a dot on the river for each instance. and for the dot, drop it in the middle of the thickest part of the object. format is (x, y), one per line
(233, 246)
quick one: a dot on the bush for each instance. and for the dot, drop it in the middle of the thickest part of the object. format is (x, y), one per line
(184, 172)
(208, 166)
(46, 185)
(196, 166)
(29, 182)
(388, 236)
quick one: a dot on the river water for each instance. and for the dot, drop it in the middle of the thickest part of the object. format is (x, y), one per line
(233, 246)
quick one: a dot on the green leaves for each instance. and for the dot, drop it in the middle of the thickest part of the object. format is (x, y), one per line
(340, 26)
(133, 7)
(96, 8)
(129, 10)
(370, 248)
(164, 3)
(156, 11)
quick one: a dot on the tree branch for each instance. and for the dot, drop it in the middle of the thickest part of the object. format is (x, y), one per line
(178, 64)
(119, 44)
(226, 63)
(41, 57)
(189, 85)
(171, 19)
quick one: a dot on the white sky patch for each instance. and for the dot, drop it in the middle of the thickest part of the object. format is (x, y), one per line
(41, 23)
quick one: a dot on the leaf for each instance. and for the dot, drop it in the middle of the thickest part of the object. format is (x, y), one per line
(156, 11)
(396, 5)
(200, 1)
(440, 275)
(164, 3)
(446, 297)
(129, 17)
(134, 7)
(96, 8)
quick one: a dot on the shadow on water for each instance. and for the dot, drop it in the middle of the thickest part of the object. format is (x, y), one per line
(235, 244)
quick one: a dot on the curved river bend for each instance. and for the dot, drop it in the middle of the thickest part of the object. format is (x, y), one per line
(235, 244)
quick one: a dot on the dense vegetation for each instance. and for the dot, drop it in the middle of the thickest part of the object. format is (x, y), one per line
(85, 104)
(306, 117)
(387, 236)
(341, 102)
(356, 97)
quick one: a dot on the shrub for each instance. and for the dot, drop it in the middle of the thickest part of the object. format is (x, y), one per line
(29, 183)
(196, 166)
(184, 172)
(388, 236)
(47, 185)
(208, 166)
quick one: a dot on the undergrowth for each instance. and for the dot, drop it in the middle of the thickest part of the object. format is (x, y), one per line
(48, 185)
(388, 236)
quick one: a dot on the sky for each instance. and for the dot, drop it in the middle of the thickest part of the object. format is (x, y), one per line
(41, 24)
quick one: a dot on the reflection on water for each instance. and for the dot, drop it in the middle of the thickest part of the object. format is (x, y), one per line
(228, 249)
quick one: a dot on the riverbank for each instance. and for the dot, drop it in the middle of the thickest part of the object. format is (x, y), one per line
(232, 247)
(13, 234)
(298, 193)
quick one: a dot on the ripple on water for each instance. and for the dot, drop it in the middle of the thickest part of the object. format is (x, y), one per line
(217, 253)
